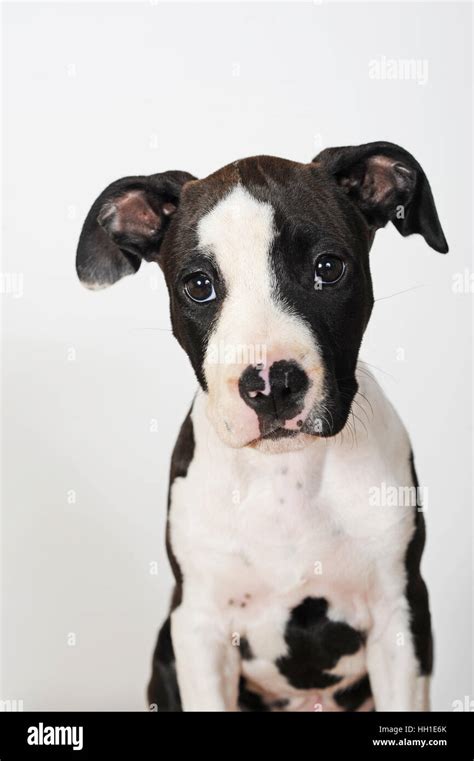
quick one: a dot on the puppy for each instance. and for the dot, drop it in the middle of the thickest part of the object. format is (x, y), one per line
(293, 591)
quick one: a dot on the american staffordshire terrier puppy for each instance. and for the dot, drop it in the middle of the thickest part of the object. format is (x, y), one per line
(293, 590)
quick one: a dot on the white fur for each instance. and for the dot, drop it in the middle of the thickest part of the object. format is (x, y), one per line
(256, 528)
(239, 232)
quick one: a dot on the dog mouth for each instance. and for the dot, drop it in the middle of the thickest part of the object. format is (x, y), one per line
(274, 434)
(322, 422)
(279, 433)
(320, 418)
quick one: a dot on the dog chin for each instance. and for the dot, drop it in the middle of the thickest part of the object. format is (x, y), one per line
(290, 440)
(245, 432)
(278, 440)
(281, 444)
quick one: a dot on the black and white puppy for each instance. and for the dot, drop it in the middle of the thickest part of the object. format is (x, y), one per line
(293, 591)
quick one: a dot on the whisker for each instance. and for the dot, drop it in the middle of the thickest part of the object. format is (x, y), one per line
(359, 393)
(375, 368)
(361, 407)
(355, 428)
(398, 293)
(361, 422)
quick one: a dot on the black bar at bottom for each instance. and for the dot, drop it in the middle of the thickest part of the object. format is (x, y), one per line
(156, 735)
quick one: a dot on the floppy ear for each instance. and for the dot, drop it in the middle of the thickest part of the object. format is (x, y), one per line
(387, 184)
(126, 224)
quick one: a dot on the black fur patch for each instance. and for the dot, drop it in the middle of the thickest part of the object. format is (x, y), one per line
(245, 649)
(250, 701)
(163, 687)
(416, 591)
(355, 695)
(315, 645)
(182, 456)
(336, 314)
(163, 690)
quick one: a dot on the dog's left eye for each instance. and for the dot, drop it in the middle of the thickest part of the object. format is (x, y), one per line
(329, 269)
(199, 287)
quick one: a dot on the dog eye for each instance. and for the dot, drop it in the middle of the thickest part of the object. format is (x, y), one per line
(328, 270)
(199, 287)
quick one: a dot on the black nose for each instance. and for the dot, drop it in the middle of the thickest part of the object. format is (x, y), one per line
(282, 398)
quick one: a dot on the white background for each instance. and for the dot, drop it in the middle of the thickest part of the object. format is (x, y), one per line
(93, 92)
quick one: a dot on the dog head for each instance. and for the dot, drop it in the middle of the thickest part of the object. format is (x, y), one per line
(267, 267)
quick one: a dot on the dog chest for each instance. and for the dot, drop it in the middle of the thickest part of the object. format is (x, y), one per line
(248, 542)
(248, 528)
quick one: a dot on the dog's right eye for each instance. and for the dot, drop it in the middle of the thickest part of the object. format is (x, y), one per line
(199, 287)
(328, 270)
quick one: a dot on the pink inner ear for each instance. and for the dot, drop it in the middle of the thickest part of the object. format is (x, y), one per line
(379, 179)
(385, 177)
(130, 214)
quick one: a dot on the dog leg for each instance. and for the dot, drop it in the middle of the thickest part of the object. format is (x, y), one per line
(392, 664)
(207, 664)
(163, 690)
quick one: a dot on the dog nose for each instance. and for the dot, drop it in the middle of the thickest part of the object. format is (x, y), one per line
(278, 392)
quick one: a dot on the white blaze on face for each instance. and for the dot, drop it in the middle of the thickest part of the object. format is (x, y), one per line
(254, 327)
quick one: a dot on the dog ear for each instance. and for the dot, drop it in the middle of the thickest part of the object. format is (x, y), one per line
(388, 185)
(126, 224)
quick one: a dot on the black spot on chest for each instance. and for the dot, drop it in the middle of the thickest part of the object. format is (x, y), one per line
(315, 644)
(245, 649)
(355, 695)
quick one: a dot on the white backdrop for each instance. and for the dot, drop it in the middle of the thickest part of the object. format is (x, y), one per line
(93, 92)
